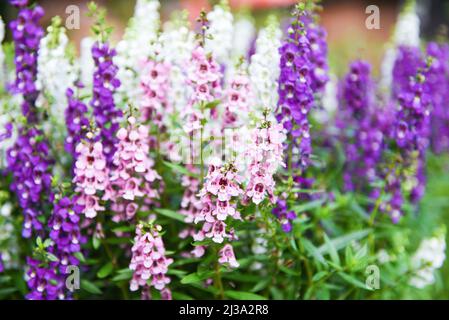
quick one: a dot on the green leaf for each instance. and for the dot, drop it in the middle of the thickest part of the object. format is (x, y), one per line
(343, 241)
(105, 270)
(313, 251)
(212, 104)
(318, 276)
(241, 295)
(332, 250)
(180, 169)
(96, 243)
(170, 214)
(52, 257)
(195, 277)
(90, 287)
(354, 281)
(307, 206)
(80, 256)
(123, 276)
(289, 271)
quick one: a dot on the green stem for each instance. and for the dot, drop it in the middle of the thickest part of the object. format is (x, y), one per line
(217, 281)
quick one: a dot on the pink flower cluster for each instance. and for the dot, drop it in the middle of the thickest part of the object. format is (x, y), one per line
(155, 84)
(265, 153)
(204, 76)
(238, 100)
(149, 261)
(133, 175)
(222, 184)
(91, 176)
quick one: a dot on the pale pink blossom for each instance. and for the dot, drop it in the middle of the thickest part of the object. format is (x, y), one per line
(265, 154)
(91, 176)
(148, 261)
(226, 256)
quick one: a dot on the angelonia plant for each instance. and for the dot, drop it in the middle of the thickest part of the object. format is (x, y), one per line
(190, 160)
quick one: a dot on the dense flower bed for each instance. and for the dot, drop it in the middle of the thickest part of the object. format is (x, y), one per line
(209, 161)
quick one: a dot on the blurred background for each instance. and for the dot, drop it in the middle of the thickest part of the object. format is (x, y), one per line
(344, 20)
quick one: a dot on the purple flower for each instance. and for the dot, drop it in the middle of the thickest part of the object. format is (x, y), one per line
(438, 82)
(105, 83)
(65, 231)
(284, 215)
(360, 123)
(29, 162)
(43, 281)
(76, 121)
(27, 34)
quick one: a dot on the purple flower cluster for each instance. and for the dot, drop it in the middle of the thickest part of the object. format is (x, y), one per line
(295, 91)
(303, 71)
(284, 215)
(411, 129)
(105, 83)
(28, 160)
(407, 63)
(44, 281)
(27, 34)
(317, 35)
(76, 121)
(438, 82)
(65, 232)
(359, 120)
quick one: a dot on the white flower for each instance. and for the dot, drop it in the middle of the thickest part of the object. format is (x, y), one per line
(407, 27)
(244, 32)
(329, 101)
(6, 209)
(86, 61)
(221, 29)
(55, 73)
(177, 42)
(428, 258)
(136, 46)
(264, 67)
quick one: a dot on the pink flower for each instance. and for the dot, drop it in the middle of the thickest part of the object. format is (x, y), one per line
(155, 84)
(133, 176)
(148, 259)
(227, 256)
(91, 176)
(265, 154)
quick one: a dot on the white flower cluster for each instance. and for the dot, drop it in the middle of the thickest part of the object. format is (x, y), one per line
(407, 27)
(86, 61)
(177, 42)
(136, 46)
(244, 33)
(264, 66)
(55, 73)
(429, 257)
(221, 29)
(8, 241)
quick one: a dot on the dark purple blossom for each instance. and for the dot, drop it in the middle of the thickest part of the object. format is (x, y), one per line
(284, 215)
(76, 121)
(360, 122)
(27, 34)
(107, 116)
(65, 231)
(29, 162)
(438, 82)
(43, 281)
